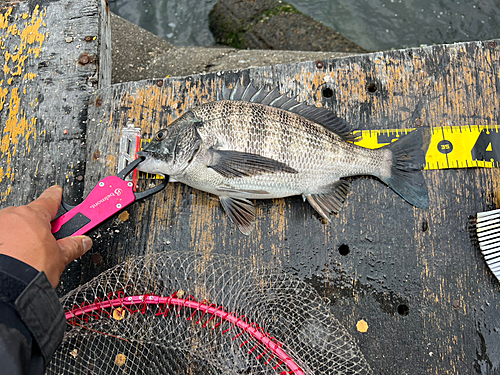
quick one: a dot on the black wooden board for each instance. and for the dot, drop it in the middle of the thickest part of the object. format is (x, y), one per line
(415, 276)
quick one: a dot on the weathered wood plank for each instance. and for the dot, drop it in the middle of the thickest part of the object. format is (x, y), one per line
(50, 59)
(418, 262)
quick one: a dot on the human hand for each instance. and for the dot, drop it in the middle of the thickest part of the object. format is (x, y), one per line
(25, 234)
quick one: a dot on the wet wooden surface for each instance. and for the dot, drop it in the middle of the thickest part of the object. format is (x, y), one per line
(413, 275)
(50, 54)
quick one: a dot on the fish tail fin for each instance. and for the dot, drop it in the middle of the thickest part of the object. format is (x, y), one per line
(407, 159)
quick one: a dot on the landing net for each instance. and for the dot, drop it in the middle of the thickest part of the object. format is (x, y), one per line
(184, 312)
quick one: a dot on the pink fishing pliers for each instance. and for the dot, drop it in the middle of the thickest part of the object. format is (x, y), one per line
(111, 195)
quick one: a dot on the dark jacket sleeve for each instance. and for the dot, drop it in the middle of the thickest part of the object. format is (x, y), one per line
(32, 321)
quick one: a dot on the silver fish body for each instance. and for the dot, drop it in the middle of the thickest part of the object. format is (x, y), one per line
(317, 156)
(259, 149)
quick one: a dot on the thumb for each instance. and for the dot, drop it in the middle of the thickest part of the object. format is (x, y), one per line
(74, 247)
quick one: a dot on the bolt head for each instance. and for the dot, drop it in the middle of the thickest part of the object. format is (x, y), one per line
(84, 59)
(96, 258)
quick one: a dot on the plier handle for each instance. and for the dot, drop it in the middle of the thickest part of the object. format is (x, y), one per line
(111, 195)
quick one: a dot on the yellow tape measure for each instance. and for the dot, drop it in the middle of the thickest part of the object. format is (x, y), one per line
(462, 146)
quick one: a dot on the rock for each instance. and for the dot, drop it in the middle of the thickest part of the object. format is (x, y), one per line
(273, 24)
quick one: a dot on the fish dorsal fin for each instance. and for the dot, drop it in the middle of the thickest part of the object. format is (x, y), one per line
(273, 98)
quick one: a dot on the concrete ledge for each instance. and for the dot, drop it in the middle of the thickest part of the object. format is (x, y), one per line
(137, 54)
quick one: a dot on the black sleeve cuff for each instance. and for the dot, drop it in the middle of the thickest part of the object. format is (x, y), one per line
(43, 314)
(14, 278)
(30, 293)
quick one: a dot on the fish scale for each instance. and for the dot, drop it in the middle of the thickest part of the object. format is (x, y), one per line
(303, 145)
(260, 145)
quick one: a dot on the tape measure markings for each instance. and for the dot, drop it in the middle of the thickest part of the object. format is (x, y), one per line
(463, 146)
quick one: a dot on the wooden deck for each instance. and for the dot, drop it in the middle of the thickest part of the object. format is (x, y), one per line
(415, 276)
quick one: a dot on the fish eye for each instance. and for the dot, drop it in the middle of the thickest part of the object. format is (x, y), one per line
(159, 136)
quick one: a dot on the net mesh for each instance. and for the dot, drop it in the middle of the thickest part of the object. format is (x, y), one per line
(180, 312)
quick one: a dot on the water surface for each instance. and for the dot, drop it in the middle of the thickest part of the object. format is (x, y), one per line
(372, 24)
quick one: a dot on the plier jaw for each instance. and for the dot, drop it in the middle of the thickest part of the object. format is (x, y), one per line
(111, 195)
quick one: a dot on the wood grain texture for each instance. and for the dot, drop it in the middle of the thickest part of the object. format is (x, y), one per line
(421, 263)
(44, 92)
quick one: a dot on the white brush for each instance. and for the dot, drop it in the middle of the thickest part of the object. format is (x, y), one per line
(488, 235)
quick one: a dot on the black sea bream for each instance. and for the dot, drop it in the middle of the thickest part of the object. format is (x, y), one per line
(255, 144)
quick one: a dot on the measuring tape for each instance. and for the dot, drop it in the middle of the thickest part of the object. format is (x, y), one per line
(464, 146)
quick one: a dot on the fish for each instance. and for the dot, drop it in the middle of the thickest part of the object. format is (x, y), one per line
(254, 143)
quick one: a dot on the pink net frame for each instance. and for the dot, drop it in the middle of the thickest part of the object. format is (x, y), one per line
(184, 312)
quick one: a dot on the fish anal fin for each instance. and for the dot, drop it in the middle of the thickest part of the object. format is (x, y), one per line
(239, 164)
(241, 212)
(331, 201)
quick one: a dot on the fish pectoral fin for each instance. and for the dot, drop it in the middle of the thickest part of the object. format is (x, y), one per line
(241, 212)
(331, 202)
(240, 164)
(242, 191)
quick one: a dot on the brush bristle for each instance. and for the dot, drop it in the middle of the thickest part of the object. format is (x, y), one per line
(488, 235)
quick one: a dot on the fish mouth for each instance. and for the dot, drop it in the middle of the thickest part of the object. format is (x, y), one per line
(152, 163)
(145, 165)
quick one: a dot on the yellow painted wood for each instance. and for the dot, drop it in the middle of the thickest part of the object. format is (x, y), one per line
(44, 93)
(19, 40)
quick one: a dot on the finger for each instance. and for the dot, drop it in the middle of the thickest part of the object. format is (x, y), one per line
(74, 247)
(48, 203)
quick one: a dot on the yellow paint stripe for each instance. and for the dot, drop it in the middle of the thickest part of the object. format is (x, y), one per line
(18, 42)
